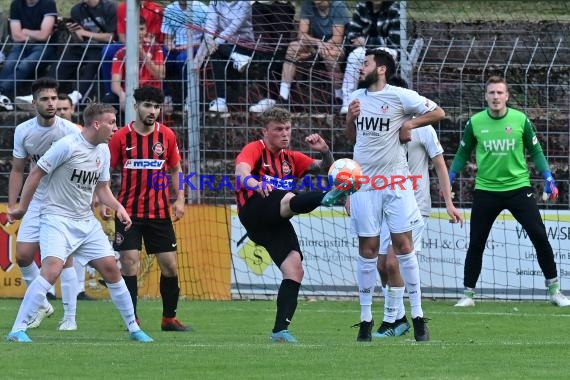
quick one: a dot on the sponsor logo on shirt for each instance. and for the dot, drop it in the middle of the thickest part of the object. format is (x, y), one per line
(143, 163)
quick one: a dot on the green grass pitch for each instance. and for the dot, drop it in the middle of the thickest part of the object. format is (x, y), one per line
(494, 340)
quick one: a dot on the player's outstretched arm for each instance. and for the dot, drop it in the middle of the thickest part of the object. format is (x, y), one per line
(30, 186)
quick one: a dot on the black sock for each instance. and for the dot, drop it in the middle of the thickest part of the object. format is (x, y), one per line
(132, 285)
(286, 304)
(169, 292)
(306, 202)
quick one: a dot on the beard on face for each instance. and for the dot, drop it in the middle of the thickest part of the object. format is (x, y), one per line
(368, 80)
(47, 115)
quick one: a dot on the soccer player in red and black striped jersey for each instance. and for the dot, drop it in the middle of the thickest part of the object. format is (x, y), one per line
(266, 170)
(146, 152)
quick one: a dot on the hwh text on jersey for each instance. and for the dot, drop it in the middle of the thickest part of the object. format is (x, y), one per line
(141, 163)
(376, 124)
(83, 177)
(499, 145)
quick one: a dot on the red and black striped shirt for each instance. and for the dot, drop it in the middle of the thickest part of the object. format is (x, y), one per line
(143, 160)
(285, 164)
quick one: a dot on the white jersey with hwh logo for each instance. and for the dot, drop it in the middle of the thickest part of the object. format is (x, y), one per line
(74, 167)
(421, 149)
(32, 140)
(382, 113)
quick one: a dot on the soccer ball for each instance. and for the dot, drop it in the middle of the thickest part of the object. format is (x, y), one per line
(344, 169)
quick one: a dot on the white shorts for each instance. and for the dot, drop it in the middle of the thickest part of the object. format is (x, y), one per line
(369, 208)
(84, 239)
(29, 230)
(417, 233)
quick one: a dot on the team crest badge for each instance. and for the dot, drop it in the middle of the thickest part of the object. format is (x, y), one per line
(97, 163)
(119, 238)
(384, 108)
(158, 148)
(286, 168)
(508, 129)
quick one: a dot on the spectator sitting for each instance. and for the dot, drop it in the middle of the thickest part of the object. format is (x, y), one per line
(321, 31)
(31, 25)
(178, 16)
(152, 13)
(228, 28)
(151, 68)
(375, 24)
(93, 22)
(273, 28)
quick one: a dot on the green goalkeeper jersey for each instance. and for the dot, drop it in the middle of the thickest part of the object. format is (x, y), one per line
(500, 150)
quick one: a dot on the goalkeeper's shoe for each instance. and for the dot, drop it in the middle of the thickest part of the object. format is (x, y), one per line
(67, 325)
(421, 330)
(465, 302)
(364, 331)
(40, 315)
(386, 330)
(19, 336)
(559, 299)
(283, 336)
(338, 192)
(140, 336)
(173, 324)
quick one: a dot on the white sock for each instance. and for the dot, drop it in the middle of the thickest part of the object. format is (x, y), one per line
(122, 300)
(284, 90)
(366, 277)
(29, 274)
(69, 293)
(410, 270)
(401, 309)
(52, 290)
(80, 273)
(392, 304)
(33, 299)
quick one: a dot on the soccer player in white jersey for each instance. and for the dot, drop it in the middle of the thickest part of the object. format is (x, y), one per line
(32, 139)
(423, 147)
(75, 167)
(379, 115)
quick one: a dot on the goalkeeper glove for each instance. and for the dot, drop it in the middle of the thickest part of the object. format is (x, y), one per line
(550, 189)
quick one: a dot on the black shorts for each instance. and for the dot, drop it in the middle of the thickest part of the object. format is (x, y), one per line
(265, 226)
(158, 235)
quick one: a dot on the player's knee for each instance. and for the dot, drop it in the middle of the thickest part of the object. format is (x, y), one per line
(24, 258)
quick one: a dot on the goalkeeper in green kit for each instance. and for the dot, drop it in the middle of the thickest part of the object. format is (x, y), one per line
(499, 136)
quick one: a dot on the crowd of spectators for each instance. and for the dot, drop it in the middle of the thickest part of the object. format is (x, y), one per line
(85, 50)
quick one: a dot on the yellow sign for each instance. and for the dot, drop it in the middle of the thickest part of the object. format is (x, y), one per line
(204, 258)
